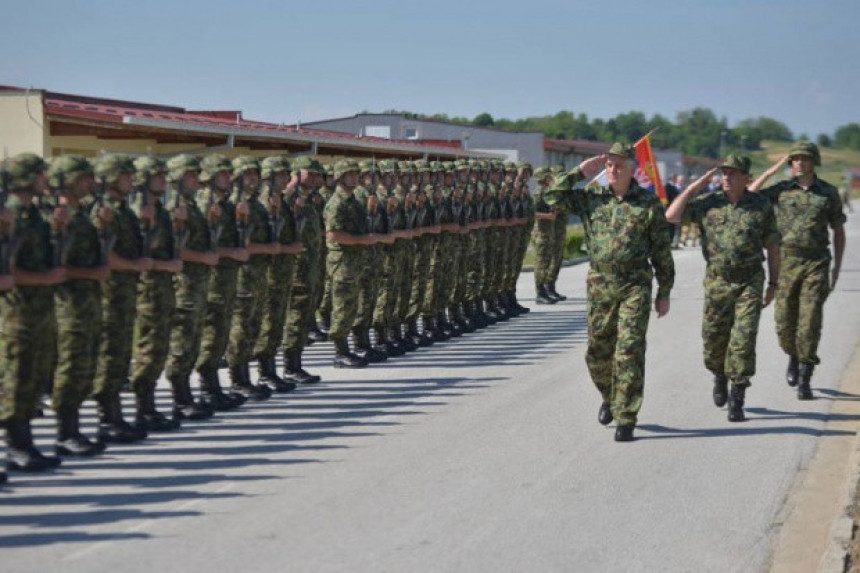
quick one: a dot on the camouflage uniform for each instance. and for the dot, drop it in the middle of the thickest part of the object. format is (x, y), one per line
(733, 238)
(156, 303)
(626, 238)
(391, 276)
(543, 237)
(26, 313)
(803, 217)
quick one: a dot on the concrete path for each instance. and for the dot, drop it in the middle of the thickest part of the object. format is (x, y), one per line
(481, 454)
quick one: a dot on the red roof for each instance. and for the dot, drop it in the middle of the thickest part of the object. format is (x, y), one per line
(116, 111)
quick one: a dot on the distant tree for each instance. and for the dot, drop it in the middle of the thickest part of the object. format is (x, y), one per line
(803, 137)
(483, 120)
(824, 140)
(848, 136)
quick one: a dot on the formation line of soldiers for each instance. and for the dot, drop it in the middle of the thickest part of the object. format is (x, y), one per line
(742, 225)
(121, 269)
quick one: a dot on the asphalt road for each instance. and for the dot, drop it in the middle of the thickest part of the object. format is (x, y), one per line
(480, 454)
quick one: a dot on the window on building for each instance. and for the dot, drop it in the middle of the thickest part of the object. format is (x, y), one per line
(383, 131)
(410, 132)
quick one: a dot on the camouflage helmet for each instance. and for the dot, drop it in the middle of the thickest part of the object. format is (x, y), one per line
(179, 165)
(212, 164)
(66, 168)
(806, 148)
(541, 173)
(462, 165)
(367, 166)
(274, 164)
(405, 167)
(309, 164)
(344, 166)
(525, 165)
(109, 167)
(388, 166)
(147, 166)
(436, 167)
(510, 166)
(421, 166)
(244, 163)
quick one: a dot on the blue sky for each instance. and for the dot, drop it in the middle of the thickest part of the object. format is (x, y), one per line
(795, 60)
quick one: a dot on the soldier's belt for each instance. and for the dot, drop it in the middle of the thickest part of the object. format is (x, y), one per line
(620, 269)
(815, 253)
(737, 274)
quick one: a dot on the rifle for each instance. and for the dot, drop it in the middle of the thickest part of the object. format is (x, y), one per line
(178, 227)
(213, 218)
(106, 238)
(8, 238)
(59, 241)
(300, 216)
(276, 222)
(146, 229)
(242, 218)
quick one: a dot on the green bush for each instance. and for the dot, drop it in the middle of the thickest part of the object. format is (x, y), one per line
(575, 239)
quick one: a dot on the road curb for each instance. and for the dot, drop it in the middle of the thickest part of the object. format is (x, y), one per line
(835, 559)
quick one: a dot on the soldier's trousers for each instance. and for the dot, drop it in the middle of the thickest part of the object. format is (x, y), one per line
(301, 306)
(219, 313)
(559, 244)
(803, 288)
(248, 310)
(26, 313)
(730, 325)
(407, 255)
(369, 279)
(79, 320)
(475, 264)
(322, 296)
(445, 264)
(186, 328)
(543, 240)
(119, 310)
(618, 312)
(422, 270)
(383, 312)
(279, 283)
(344, 266)
(460, 270)
(156, 302)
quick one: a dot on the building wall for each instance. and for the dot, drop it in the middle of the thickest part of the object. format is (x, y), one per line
(21, 118)
(517, 146)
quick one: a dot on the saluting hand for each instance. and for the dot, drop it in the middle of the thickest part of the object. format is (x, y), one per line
(591, 166)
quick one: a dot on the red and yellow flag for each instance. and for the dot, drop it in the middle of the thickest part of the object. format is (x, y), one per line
(647, 172)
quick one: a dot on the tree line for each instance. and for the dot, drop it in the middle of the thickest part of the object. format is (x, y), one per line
(696, 132)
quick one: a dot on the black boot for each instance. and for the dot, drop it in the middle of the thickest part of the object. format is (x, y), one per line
(443, 324)
(392, 345)
(624, 433)
(501, 311)
(212, 394)
(267, 372)
(112, 426)
(721, 390)
(316, 335)
(429, 331)
(412, 334)
(184, 406)
(476, 314)
(736, 403)
(293, 368)
(148, 418)
(554, 293)
(489, 311)
(241, 383)
(21, 454)
(516, 304)
(439, 332)
(604, 415)
(381, 347)
(804, 392)
(543, 297)
(343, 358)
(460, 320)
(792, 372)
(324, 323)
(363, 347)
(70, 441)
(405, 343)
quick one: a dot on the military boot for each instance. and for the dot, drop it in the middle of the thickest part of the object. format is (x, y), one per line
(363, 347)
(499, 306)
(412, 334)
(736, 403)
(429, 331)
(445, 325)
(316, 333)
(148, 418)
(460, 320)
(112, 426)
(184, 406)
(21, 453)
(604, 415)
(792, 372)
(324, 323)
(543, 296)
(404, 342)
(343, 358)
(212, 394)
(721, 390)
(440, 333)
(267, 374)
(516, 303)
(804, 392)
(70, 441)
(554, 293)
(293, 368)
(489, 312)
(241, 384)
(392, 345)
(380, 346)
(624, 433)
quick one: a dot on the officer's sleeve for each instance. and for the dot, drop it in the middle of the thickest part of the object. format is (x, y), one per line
(835, 215)
(334, 216)
(695, 209)
(770, 232)
(661, 252)
(561, 193)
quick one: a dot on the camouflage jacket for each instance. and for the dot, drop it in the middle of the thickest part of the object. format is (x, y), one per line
(343, 212)
(125, 227)
(309, 228)
(34, 252)
(229, 237)
(803, 215)
(83, 248)
(622, 235)
(734, 235)
(162, 243)
(196, 225)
